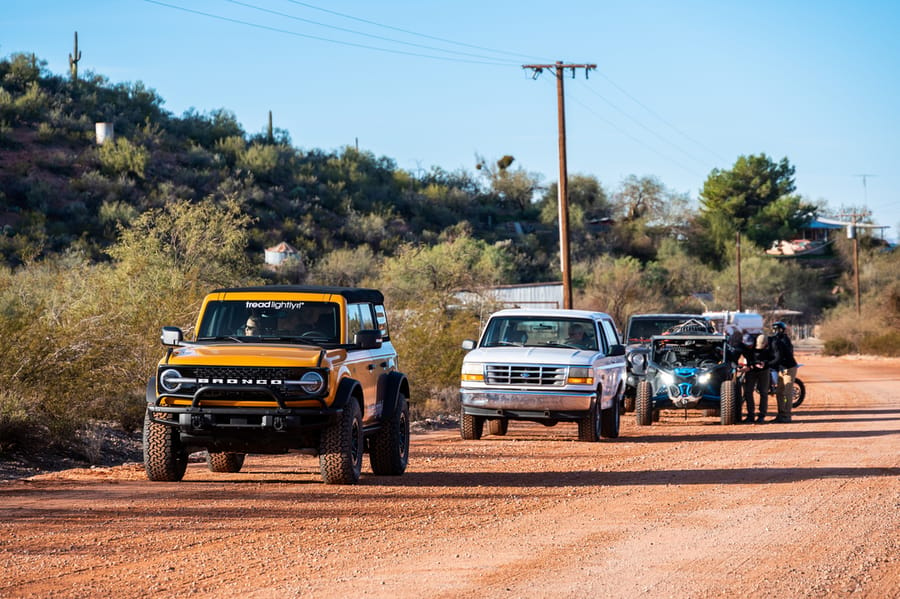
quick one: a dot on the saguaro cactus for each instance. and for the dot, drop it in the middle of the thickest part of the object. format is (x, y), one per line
(73, 60)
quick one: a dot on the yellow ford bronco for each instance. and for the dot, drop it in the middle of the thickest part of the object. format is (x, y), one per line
(275, 369)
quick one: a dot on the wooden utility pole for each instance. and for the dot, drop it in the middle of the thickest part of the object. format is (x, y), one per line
(563, 186)
(740, 296)
(852, 234)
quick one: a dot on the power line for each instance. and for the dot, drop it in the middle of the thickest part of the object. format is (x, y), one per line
(355, 32)
(409, 32)
(322, 39)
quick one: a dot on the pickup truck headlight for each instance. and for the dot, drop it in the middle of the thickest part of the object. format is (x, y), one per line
(580, 375)
(473, 372)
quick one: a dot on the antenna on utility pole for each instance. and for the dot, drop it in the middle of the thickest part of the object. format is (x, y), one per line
(563, 173)
(864, 177)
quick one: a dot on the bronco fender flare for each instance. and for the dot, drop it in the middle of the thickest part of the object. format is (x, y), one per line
(348, 390)
(390, 386)
(151, 391)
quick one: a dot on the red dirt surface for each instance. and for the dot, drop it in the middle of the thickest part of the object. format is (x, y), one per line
(683, 508)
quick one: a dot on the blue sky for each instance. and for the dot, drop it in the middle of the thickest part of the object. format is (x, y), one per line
(681, 88)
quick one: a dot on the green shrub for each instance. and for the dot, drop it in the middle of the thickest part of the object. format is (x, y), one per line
(839, 347)
(885, 344)
(121, 157)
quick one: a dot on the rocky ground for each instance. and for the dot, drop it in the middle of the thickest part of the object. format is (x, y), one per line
(683, 508)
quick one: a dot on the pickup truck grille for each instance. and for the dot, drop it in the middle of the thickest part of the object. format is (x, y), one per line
(525, 374)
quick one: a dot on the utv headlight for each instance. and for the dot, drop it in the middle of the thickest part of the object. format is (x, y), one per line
(704, 378)
(473, 372)
(638, 360)
(580, 375)
(667, 378)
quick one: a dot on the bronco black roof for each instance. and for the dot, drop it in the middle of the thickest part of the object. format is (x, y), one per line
(351, 294)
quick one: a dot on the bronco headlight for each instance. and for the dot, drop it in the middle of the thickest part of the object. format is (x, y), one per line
(667, 378)
(473, 371)
(312, 382)
(170, 380)
(580, 375)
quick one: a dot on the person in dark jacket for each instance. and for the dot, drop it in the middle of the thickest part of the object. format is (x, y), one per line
(786, 366)
(757, 357)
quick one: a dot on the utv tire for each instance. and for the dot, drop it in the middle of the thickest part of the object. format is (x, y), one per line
(498, 426)
(389, 448)
(730, 409)
(341, 447)
(644, 405)
(165, 458)
(224, 461)
(470, 427)
(589, 426)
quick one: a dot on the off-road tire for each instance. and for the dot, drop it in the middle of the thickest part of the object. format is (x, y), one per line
(224, 461)
(799, 392)
(470, 427)
(498, 426)
(589, 426)
(165, 458)
(643, 408)
(610, 419)
(389, 447)
(730, 408)
(341, 447)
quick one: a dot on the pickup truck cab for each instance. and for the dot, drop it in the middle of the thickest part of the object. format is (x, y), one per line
(545, 366)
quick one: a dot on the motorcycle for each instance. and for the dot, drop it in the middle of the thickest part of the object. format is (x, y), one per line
(799, 388)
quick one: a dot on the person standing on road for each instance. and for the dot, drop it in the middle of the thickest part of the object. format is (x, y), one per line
(757, 356)
(783, 360)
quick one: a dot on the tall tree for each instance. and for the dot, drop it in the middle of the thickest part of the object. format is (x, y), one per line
(733, 200)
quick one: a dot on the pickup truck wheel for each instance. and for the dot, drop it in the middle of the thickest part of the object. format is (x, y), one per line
(589, 426)
(389, 449)
(165, 458)
(224, 461)
(341, 448)
(609, 420)
(498, 426)
(644, 406)
(730, 407)
(470, 427)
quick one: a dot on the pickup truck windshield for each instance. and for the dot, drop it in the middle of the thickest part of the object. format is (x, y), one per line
(534, 331)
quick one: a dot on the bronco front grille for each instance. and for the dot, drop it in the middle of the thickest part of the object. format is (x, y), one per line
(525, 374)
(234, 380)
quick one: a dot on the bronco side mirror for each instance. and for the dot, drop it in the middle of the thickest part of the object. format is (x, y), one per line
(368, 339)
(171, 336)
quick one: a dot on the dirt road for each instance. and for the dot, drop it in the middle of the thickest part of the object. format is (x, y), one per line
(684, 508)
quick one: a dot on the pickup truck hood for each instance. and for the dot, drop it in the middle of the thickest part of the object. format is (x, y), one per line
(531, 355)
(248, 354)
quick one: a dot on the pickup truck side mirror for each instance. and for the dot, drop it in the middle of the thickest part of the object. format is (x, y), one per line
(616, 350)
(171, 336)
(468, 344)
(368, 339)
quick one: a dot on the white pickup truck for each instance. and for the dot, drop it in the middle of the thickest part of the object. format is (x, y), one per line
(545, 366)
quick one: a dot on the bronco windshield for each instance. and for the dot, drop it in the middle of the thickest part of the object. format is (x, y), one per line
(532, 331)
(255, 320)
